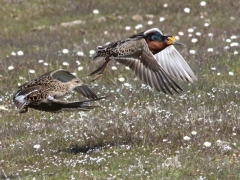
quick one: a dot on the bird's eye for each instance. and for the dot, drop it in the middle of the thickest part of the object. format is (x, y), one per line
(77, 81)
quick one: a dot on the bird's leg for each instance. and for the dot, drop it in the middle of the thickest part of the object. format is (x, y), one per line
(100, 69)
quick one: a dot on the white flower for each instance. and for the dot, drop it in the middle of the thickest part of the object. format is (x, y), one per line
(165, 5)
(31, 71)
(203, 3)
(213, 68)
(95, 11)
(65, 63)
(194, 132)
(180, 33)
(234, 44)
(187, 10)
(80, 53)
(65, 51)
(177, 38)
(10, 68)
(40, 61)
(210, 49)
(150, 22)
(45, 64)
(161, 19)
(198, 33)
(233, 37)
(207, 144)
(235, 52)
(91, 52)
(192, 51)
(190, 30)
(186, 138)
(127, 68)
(128, 28)
(13, 54)
(121, 79)
(36, 146)
(114, 68)
(20, 53)
(139, 26)
(80, 68)
(231, 73)
(206, 24)
(127, 84)
(194, 40)
(228, 40)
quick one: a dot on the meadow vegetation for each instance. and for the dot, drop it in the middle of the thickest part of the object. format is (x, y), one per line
(137, 132)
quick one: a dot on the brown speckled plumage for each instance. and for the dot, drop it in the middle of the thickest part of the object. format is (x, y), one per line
(42, 93)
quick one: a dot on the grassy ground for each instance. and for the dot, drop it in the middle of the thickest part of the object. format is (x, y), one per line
(137, 133)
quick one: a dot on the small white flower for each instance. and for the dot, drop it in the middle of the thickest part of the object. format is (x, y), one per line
(20, 53)
(226, 47)
(187, 10)
(206, 24)
(161, 19)
(231, 73)
(213, 68)
(95, 11)
(127, 84)
(91, 52)
(210, 49)
(10, 68)
(192, 51)
(127, 68)
(31, 71)
(210, 34)
(139, 26)
(233, 37)
(40, 61)
(19, 84)
(198, 33)
(180, 33)
(128, 28)
(65, 51)
(203, 3)
(121, 79)
(45, 64)
(65, 64)
(234, 44)
(80, 53)
(194, 40)
(114, 68)
(190, 30)
(218, 74)
(207, 144)
(80, 68)
(194, 132)
(235, 52)
(177, 38)
(13, 54)
(165, 5)
(186, 138)
(36, 146)
(150, 22)
(228, 40)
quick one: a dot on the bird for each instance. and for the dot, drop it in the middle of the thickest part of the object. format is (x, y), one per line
(153, 58)
(43, 92)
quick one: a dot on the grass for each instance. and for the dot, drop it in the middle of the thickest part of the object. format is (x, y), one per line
(137, 133)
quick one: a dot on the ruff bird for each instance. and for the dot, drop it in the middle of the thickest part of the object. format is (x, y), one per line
(43, 92)
(153, 58)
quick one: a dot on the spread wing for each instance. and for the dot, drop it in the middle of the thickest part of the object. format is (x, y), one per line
(137, 56)
(174, 64)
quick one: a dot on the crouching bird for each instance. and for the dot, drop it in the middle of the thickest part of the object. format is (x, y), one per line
(43, 93)
(151, 56)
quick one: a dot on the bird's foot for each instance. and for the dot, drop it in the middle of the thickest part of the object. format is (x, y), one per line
(98, 76)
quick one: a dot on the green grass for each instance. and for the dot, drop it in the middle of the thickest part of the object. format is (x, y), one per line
(137, 133)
